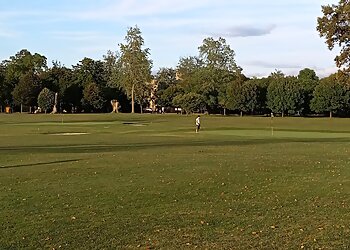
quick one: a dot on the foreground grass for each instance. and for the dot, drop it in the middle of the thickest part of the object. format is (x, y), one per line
(148, 181)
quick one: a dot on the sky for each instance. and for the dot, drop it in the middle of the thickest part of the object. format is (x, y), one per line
(266, 35)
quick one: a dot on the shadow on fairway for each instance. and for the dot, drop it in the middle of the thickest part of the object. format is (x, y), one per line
(100, 148)
(39, 163)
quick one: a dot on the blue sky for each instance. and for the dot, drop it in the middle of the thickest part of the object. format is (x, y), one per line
(265, 35)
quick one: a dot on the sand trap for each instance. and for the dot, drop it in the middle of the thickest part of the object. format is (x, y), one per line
(74, 133)
(135, 124)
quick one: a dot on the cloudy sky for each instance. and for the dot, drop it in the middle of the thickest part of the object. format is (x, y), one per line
(265, 35)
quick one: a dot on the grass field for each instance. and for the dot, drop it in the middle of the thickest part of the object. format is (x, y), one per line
(121, 181)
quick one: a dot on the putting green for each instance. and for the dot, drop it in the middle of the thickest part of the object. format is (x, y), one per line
(277, 133)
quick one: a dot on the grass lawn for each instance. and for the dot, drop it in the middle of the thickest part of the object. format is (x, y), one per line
(121, 181)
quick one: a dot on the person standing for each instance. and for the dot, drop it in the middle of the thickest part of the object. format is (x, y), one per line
(198, 123)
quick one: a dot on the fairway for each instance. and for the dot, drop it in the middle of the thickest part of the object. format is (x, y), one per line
(122, 181)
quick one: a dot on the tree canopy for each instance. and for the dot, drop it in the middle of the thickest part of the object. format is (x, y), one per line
(135, 66)
(210, 81)
(334, 26)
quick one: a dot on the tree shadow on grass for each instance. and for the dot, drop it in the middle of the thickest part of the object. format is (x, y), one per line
(105, 148)
(39, 163)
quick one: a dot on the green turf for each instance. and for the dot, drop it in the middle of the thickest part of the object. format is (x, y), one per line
(149, 181)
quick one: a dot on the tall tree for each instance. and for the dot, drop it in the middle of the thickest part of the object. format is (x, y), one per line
(285, 95)
(59, 79)
(334, 27)
(235, 95)
(17, 66)
(190, 102)
(46, 99)
(210, 74)
(27, 90)
(251, 92)
(135, 66)
(110, 62)
(331, 95)
(2, 87)
(308, 80)
(93, 97)
(89, 70)
(167, 87)
(217, 54)
(220, 69)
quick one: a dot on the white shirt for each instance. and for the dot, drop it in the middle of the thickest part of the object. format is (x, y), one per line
(198, 122)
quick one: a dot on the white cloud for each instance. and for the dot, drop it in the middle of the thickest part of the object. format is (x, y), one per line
(247, 31)
(323, 72)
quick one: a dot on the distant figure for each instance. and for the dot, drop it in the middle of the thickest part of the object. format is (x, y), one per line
(54, 109)
(115, 106)
(198, 123)
(38, 110)
(271, 114)
(163, 110)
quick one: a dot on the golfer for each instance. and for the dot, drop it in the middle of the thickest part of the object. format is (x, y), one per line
(198, 123)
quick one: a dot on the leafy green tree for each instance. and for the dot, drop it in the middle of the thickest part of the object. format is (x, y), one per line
(210, 74)
(135, 66)
(331, 96)
(114, 87)
(308, 80)
(203, 83)
(27, 90)
(88, 71)
(334, 27)
(167, 87)
(217, 54)
(93, 96)
(60, 79)
(187, 66)
(46, 99)
(186, 73)
(220, 69)
(19, 65)
(2, 88)
(261, 86)
(250, 95)
(235, 95)
(190, 102)
(24, 61)
(285, 95)
(111, 69)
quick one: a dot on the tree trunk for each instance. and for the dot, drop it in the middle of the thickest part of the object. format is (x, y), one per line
(330, 114)
(141, 108)
(132, 99)
(21, 108)
(282, 114)
(241, 113)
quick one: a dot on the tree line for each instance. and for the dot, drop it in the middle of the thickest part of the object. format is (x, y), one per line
(210, 81)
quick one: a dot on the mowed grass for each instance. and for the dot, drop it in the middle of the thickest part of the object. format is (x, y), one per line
(121, 181)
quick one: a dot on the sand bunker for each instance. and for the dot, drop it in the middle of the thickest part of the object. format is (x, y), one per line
(134, 124)
(71, 133)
